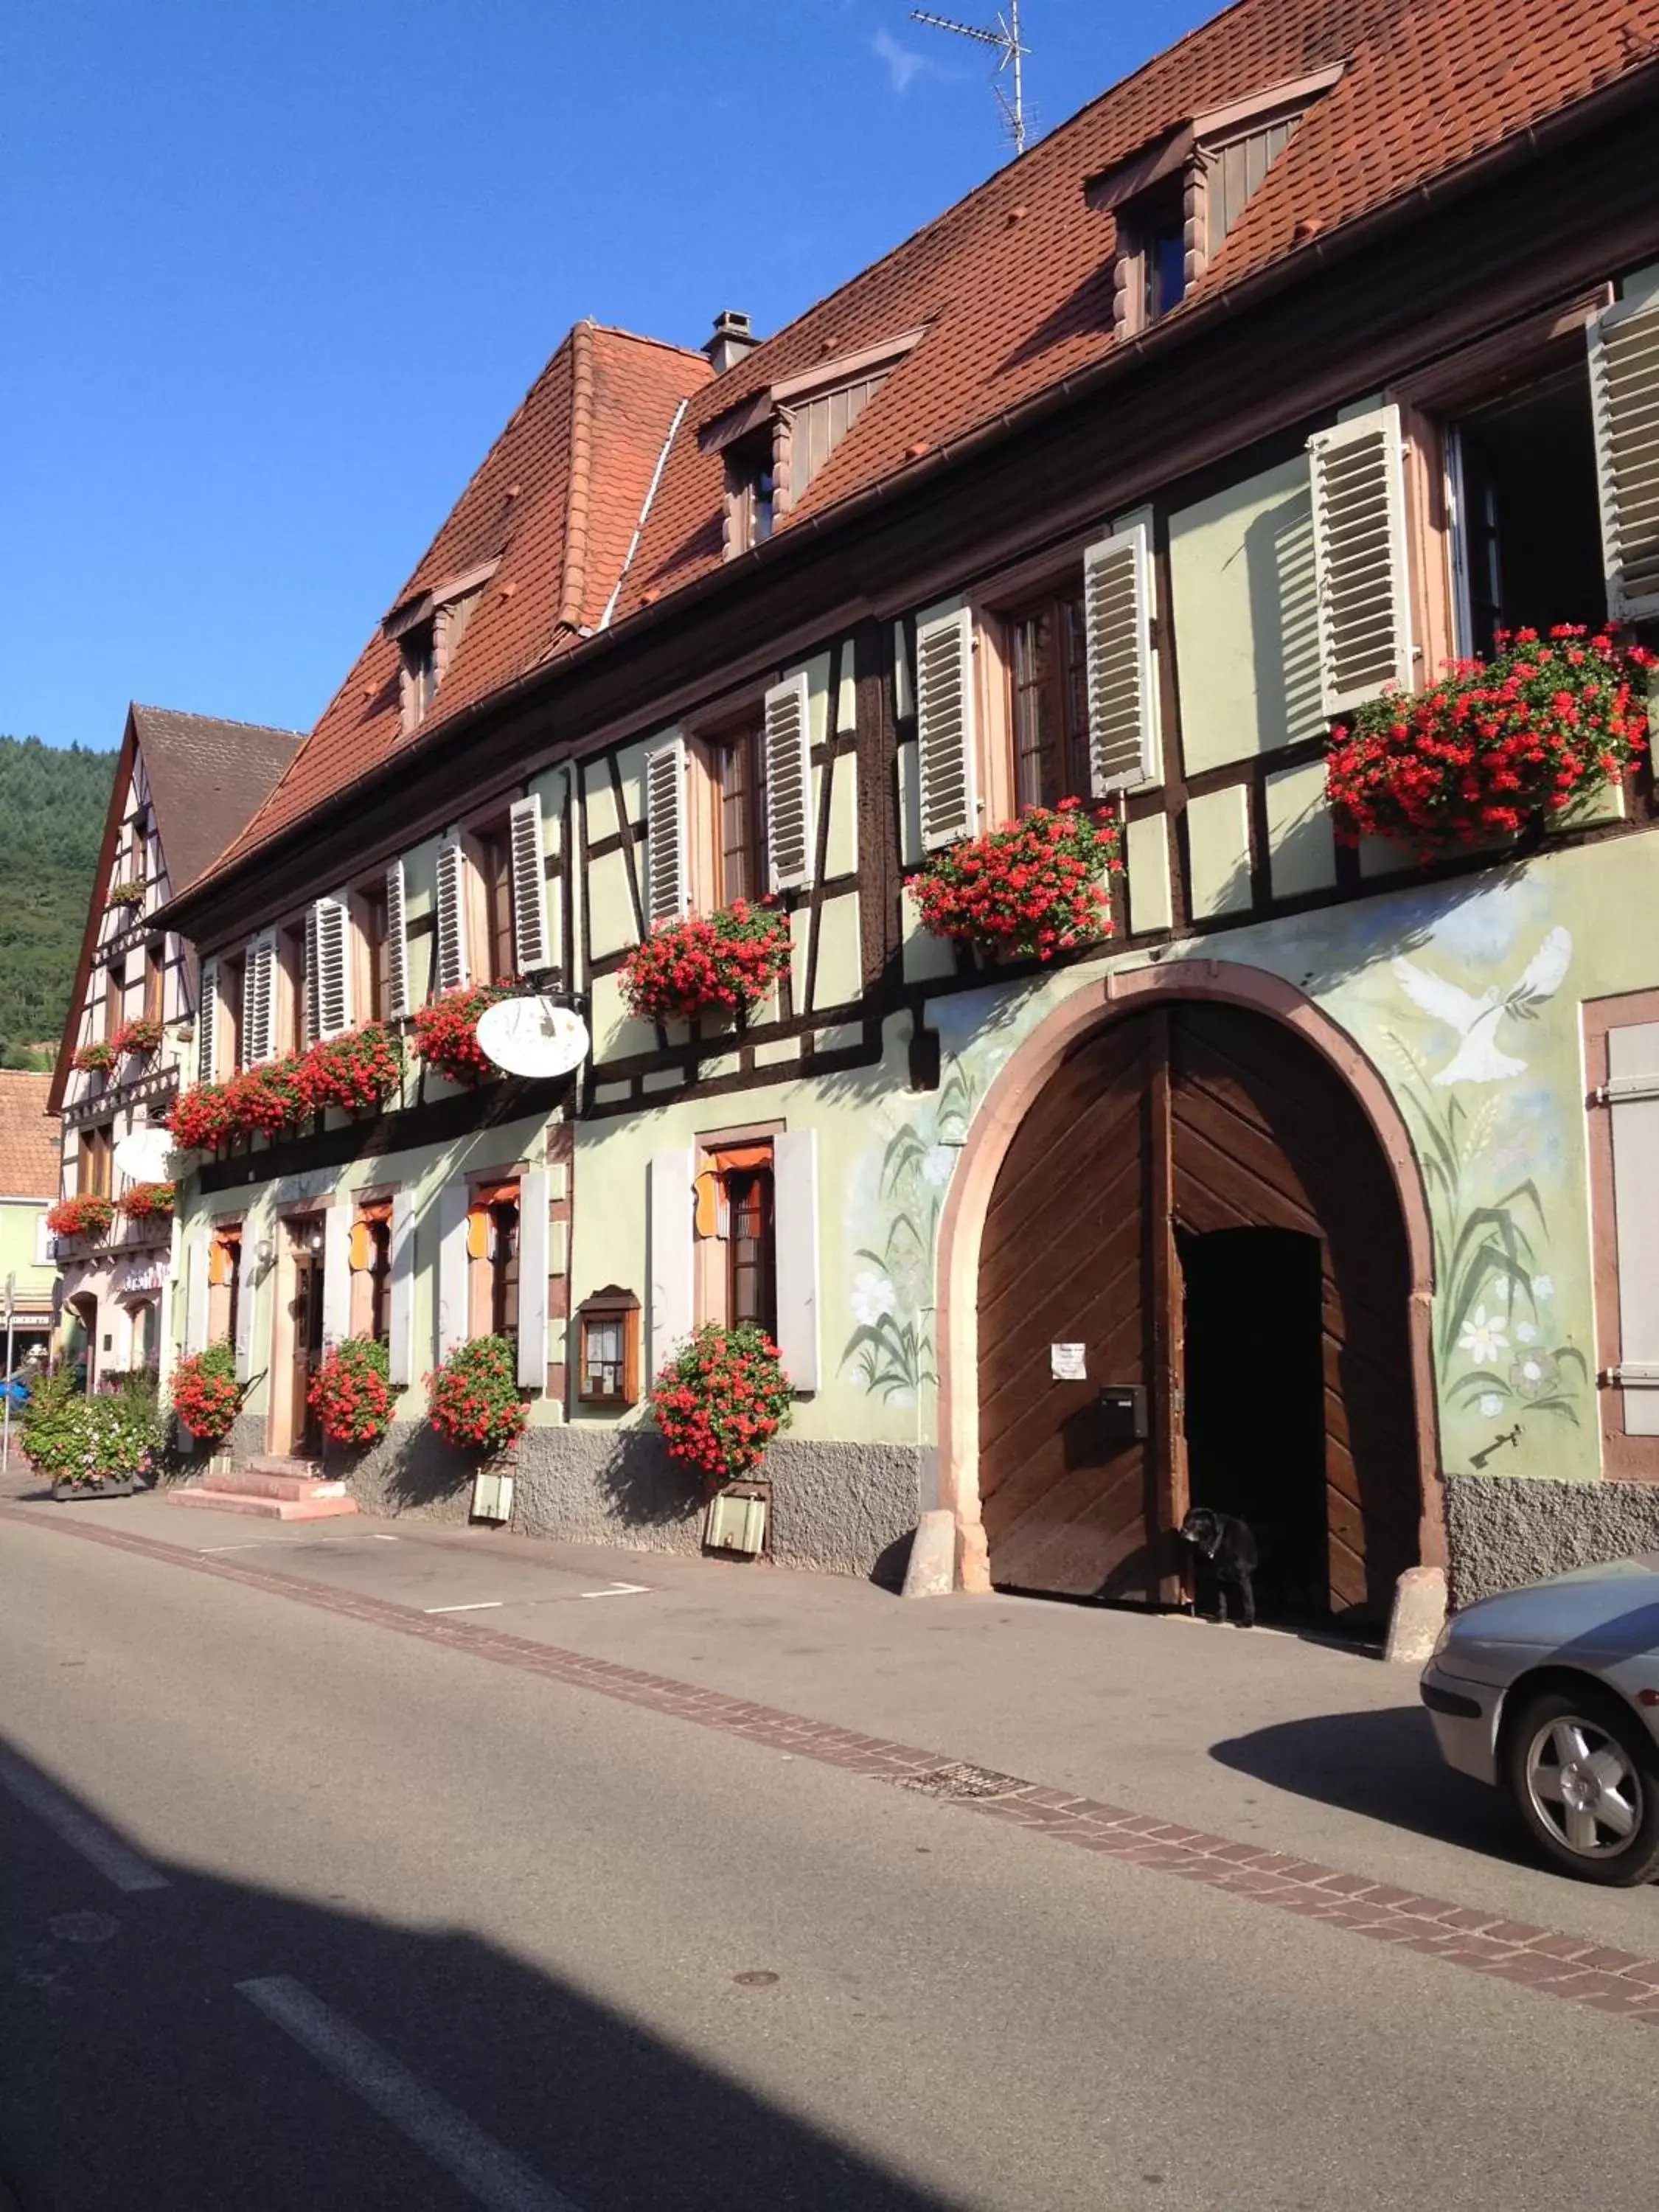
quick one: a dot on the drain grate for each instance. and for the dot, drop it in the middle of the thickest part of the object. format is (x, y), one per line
(959, 1779)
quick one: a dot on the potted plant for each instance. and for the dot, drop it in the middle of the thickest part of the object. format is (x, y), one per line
(1495, 746)
(361, 1068)
(202, 1118)
(138, 1037)
(720, 1399)
(707, 964)
(97, 1058)
(473, 1399)
(446, 1032)
(126, 895)
(100, 1447)
(206, 1394)
(148, 1201)
(350, 1393)
(88, 1216)
(1029, 891)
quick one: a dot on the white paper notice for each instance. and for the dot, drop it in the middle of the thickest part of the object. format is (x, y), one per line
(1066, 1363)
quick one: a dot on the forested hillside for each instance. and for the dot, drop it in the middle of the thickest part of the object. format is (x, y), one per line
(52, 806)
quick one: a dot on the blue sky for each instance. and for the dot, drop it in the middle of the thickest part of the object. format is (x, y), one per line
(277, 271)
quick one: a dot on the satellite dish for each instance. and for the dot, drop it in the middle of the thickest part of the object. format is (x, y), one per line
(532, 1036)
(144, 1153)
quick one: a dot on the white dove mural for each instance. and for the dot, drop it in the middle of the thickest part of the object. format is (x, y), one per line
(1476, 1020)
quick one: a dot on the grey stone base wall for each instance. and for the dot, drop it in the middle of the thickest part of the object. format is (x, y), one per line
(1505, 1530)
(837, 1508)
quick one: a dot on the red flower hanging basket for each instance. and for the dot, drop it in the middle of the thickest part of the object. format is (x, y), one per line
(139, 1037)
(350, 1393)
(1494, 746)
(721, 1399)
(1031, 890)
(148, 1201)
(473, 1400)
(80, 1216)
(97, 1058)
(707, 964)
(206, 1395)
(446, 1032)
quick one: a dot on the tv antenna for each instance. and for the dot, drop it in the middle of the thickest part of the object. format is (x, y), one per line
(1010, 53)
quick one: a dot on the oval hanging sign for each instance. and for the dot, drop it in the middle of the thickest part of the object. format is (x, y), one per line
(532, 1036)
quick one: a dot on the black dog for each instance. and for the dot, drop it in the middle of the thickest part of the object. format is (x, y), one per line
(1230, 1548)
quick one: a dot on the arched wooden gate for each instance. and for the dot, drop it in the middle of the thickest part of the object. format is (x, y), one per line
(1197, 1200)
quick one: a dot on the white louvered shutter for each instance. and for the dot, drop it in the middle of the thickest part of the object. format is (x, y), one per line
(196, 1294)
(670, 1259)
(259, 1000)
(1124, 747)
(400, 1318)
(789, 824)
(668, 892)
(397, 1006)
(944, 728)
(246, 1293)
(530, 933)
(1624, 365)
(454, 968)
(795, 1243)
(337, 1275)
(452, 1309)
(1358, 487)
(207, 1022)
(331, 992)
(534, 1193)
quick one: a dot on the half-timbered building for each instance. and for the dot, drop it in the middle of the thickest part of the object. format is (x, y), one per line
(1309, 357)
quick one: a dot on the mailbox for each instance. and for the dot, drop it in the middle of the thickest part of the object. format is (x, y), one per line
(1123, 1412)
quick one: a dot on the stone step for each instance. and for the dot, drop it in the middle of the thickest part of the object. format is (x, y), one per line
(257, 1482)
(264, 1509)
(274, 1463)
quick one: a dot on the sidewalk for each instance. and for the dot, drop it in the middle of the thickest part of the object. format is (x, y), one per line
(1270, 1738)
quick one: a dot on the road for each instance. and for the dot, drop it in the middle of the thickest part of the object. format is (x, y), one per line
(317, 1904)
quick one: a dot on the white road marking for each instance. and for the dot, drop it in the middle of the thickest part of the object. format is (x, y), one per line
(484, 1605)
(375, 1537)
(489, 2174)
(208, 1550)
(99, 1845)
(621, 1589)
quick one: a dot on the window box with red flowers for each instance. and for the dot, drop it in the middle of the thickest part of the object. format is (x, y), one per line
(203, 1119)
(267, 1098)
(350, 1393)
(98, 1058)
(720, 1399)
(473, 1400)
(126, 895)
(1494, 747)
(715, 963)
(148, 1201)
(138, 1038)
(206, 1394)
(89, 1216)
(446, 1032)
(361, 1069)
(1031, 890)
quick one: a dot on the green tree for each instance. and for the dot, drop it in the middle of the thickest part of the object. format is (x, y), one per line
(52, 802)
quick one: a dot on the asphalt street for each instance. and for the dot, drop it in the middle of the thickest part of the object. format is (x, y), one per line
(297, 1911)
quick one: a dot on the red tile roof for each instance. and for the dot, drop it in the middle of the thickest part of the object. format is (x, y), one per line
(28, 1140)
(1014, 285)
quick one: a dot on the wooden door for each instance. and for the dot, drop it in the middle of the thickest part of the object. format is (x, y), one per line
(1194, 1118)
(306, 1313)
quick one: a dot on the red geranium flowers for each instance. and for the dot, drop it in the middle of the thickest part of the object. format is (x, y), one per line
(712, 962)
(350, 1393)
(1029, 891)
(721, 1399)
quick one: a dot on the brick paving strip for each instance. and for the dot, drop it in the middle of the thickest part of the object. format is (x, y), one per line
(1542, 1959)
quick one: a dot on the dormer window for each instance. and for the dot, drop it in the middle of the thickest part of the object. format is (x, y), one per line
(1177, 200)
(751, 492)
(428, 628)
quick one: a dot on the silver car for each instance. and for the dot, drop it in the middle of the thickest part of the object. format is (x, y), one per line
(1553, 1693)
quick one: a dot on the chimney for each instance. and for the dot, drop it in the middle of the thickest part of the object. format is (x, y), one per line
(733, 339)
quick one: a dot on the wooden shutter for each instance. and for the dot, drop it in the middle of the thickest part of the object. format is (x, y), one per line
(331, 992)
(671, 1259)
(1358, 488)
(944, 728)
(453, 1319)
(454, 968)
(196, 1294)
(207, 1022)
(397, 1006)
(531, 946)
(667, 895)
(336, 1274)
(1624, 363)
(795, 1229)
(1124, 750)
(246, 1293)
(789, 825)
(534, 1194)
(260, 1000)
(400, 1317)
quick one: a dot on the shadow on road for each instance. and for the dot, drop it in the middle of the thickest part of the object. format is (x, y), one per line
(135, 2077)
(1384, 1765)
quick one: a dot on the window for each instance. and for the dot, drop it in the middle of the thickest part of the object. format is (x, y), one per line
(1159, 227)
(224, 1283)
(492, 1247)
(418, 674)
(96, 1148)
(114, 995)
(1526, 531)
(370, 1252)
(739, 779)
(736, 1228)
(608, 1348)
(375, 938)
(494, 869)
(1048, 700)
(751, 490)
(300, 1022)
(1621, 1061)
(233, 976)
(154, 980)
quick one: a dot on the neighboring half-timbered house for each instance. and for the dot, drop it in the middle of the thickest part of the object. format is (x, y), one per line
(1312, 356)
(184, 785)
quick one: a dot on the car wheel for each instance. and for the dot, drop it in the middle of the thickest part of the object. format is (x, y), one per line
(1584, 1776)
